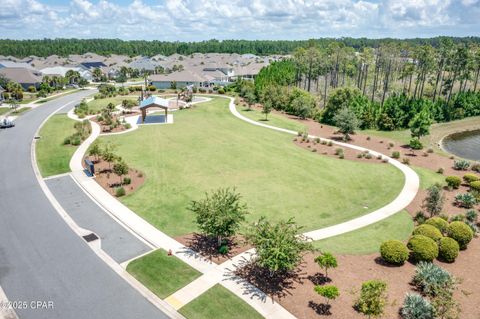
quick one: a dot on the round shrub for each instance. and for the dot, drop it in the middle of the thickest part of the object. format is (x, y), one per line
(448, 249)
(453, 181)
(468, 178)
(475, 186)
(120, 191)
(438, 222)
(396, 154)
(423, 248)
(461, 232)
(394, 252)
(428, 231)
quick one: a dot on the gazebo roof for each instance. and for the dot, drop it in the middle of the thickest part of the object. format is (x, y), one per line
(155, 101)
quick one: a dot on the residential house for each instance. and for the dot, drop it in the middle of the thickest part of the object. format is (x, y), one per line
(62, 71)
(24, 77)
(144, 64)
(178, 79)
(12, 64)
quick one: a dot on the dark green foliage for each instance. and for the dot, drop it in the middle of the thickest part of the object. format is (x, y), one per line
(453, 181)
(428, 231)
(415, 144)
(373, 298)
(127, 180)
(347, 122)
(120, 191)
(461, 232)
(448, 249)
(438, 222)
(472, 216)
(433, 202)
(416, 307)
(423, 248)
(465, 200)
(394, 252)
(396, 154)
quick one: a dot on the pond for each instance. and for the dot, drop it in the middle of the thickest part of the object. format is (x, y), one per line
(464, 144)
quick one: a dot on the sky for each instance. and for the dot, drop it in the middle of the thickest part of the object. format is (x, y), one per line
(196, 20)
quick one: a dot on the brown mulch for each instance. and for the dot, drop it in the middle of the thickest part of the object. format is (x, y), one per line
(207, 247)
(110, 181)
(106, 128)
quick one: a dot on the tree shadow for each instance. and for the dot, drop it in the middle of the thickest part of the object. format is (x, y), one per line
(320, 308)
(208, 246)
(319, 279)
(379, 261)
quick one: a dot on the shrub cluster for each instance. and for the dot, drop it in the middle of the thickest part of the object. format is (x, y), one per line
(448, 249)
(468, 178)
(416, 307)
(428, 231)
(429, 278)
(453, 181)
(438, 222)
(423, 248)
(394, 252)
(461, 232)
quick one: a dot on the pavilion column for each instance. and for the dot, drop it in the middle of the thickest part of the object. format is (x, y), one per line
(166, 118)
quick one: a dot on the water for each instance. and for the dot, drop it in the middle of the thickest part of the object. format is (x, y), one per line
(464, 144)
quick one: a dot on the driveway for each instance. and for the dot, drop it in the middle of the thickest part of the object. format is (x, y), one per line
(41, 258)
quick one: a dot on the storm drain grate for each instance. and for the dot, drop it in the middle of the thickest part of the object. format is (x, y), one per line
(90, 237)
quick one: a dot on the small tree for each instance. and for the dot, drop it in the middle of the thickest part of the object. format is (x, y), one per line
(433, 203)
(330, 292)
(420, 124)
(267, 108)
(415, 144)
(120, 168)
(347, 122)
(373, 298)
(250, 98)
(326, 261)
(108, 154)
(219, 214)
(280, 247)
(95, 150)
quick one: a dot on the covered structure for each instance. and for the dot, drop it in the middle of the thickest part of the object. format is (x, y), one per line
(154, 101)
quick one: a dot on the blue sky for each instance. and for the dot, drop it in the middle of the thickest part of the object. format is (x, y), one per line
(195, 20)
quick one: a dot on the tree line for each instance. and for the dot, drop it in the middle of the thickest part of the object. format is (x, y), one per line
(64, 47)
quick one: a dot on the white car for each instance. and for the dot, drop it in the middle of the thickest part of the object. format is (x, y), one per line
(6, 123)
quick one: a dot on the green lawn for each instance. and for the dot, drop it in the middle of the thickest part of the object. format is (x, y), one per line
(99, 104)
(207, 148)
(219, 303)
(52, 156)
(4, 110)
(162, 274)
(273, 119)
(20, 111)
(428, 177)
(367, 240)
(402, 136)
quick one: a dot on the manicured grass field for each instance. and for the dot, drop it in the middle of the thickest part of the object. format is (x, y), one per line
(367, 240)
(162, 274)
(219, 303)
(273, 119)
(98, 104)
(52, 156)
(402, 136)
(20, 110)
(4, 110)
(207, 148)
(428, 177)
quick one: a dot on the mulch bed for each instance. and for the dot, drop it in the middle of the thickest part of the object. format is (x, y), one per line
(106, 128)
(207, 247)
(110, 181)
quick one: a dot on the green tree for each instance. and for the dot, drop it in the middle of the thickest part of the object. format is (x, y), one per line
(120, 168)
(97, 74)
(266, 109)
(420, 124)
(108, 154)
(329, 292)
(250, 98)
(95, 150)
(220, 214)
(415, 144)
(326, 261)
(280, 247)
(433, 202)
(372, 298)
(347, 122)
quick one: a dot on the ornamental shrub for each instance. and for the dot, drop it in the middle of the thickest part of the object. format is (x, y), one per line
(475, 186)
(448, 249)
(438, 222)
(120, 191)
(461, 232)
(429, 278)
(466, 200)
(423, 248)
(468, 178)
(416, 307)
(461, 165)
(453, 181)
(472, 216)
(476, 167)
(372, 298)
(396, 154)
(428, 231)
(394, 252)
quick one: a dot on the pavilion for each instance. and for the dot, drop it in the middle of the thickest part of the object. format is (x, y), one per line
(154, 101)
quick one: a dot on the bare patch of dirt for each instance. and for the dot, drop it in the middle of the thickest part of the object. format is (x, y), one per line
(110, 181)
(207, 246)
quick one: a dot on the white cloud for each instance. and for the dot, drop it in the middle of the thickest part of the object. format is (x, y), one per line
(199, 20)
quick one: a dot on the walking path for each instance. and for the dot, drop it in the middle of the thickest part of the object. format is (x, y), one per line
(222, 274)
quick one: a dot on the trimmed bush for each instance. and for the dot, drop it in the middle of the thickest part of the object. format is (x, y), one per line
(120, 191)
(430, 277)
(127, 180)
(453, 181)
(461, 232)
(468, 178)
(423, 248)
(396, 154)
(416, 307)
(428, 231)
(475, 186)
(448, 249)
(394, 252)
(438, 222)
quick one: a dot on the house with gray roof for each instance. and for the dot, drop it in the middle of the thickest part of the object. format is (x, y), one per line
(144, 64)
(24, 77)
(12, 64)
(181, 79)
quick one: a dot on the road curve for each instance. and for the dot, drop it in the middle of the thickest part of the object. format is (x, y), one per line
(41, 258)
(404, 198)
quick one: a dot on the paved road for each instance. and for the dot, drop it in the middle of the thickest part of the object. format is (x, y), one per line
(41, 258)
(116, 241)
